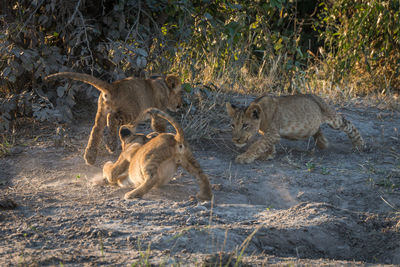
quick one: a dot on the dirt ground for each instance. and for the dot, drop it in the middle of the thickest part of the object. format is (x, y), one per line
(305, 207)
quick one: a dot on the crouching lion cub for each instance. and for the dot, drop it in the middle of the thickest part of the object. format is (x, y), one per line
(122, 101)
(152, 160)
(293, 117)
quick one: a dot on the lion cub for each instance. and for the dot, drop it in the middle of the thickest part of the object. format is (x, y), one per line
(152, 160)
(293, 117)
(122, 101)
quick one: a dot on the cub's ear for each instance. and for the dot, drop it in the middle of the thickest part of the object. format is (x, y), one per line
(125, 131)
(173, 82)
(230, 109)
(254, 111)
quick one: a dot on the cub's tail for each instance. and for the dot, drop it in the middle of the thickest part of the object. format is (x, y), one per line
(179, 137)
(100, 85)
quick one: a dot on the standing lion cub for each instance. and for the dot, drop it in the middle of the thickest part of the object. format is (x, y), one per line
(293, 117)
(152, 160)
(122, 101)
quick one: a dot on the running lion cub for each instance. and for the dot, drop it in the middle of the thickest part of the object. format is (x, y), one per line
(152, 160)
(293, 117)
(122, 101)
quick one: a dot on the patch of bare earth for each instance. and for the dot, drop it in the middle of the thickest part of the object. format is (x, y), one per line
(305, 207)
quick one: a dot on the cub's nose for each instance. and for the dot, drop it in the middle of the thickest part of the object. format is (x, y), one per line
(236, 140)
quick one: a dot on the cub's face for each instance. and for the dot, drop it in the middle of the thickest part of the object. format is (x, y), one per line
(245, 122)
(129, 137)
(175, 92)
(174, 101)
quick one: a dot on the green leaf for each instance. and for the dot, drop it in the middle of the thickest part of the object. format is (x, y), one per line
(187, 87)
(164, 30)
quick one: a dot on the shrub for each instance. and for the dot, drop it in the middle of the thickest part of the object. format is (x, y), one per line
(362, 42)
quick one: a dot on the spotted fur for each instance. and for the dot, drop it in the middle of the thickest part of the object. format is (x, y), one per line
(148, 161)
(122, 101)
(293, 117)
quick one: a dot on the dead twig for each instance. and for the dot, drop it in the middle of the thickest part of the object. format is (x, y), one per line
(136, 24)
(87, 41)
(390, 205)
(30, 17)
(73, 14)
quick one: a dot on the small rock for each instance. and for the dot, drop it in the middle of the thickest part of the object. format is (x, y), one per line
(131, 239)
(171, 262)
(268, 248)
(190, 221)
(7, 204)
(217, 187)
(204, 213)
(200, 207)
(300, 194)
(16, 150)
(206, 204)
(203, 221)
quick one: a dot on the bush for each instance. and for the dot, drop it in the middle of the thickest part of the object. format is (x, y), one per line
(362, 41)
(110, 40)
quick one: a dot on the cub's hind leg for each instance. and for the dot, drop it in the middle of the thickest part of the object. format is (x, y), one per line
(151, 178)
(338, 122)
(113, 171)
(111, 138)
(320, 139)
(190, 164)
(96, 134)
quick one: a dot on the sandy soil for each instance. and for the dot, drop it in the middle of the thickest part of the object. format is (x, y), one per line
(305, 207)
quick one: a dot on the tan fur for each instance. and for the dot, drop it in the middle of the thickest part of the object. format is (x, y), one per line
(122, 101)
(293, 117)
(146, 161)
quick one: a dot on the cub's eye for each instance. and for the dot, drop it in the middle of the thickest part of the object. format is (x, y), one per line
(245, 125)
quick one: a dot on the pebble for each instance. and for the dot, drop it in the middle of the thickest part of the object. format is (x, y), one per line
(201, 207)
(268, 248)
(131, 239)
(16, 150)
(191, 220)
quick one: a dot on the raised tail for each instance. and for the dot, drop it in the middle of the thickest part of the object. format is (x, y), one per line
(100, 85)
(179, 137)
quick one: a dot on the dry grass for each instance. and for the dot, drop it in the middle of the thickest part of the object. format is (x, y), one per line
(206, 115)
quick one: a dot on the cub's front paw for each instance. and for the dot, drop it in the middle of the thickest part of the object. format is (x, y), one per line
(244, 158)
(204, 195)
(107, 172)
(111, 143)
(90, 156)
(267, 156)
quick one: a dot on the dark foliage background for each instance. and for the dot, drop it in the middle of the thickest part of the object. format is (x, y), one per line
(245, 45)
